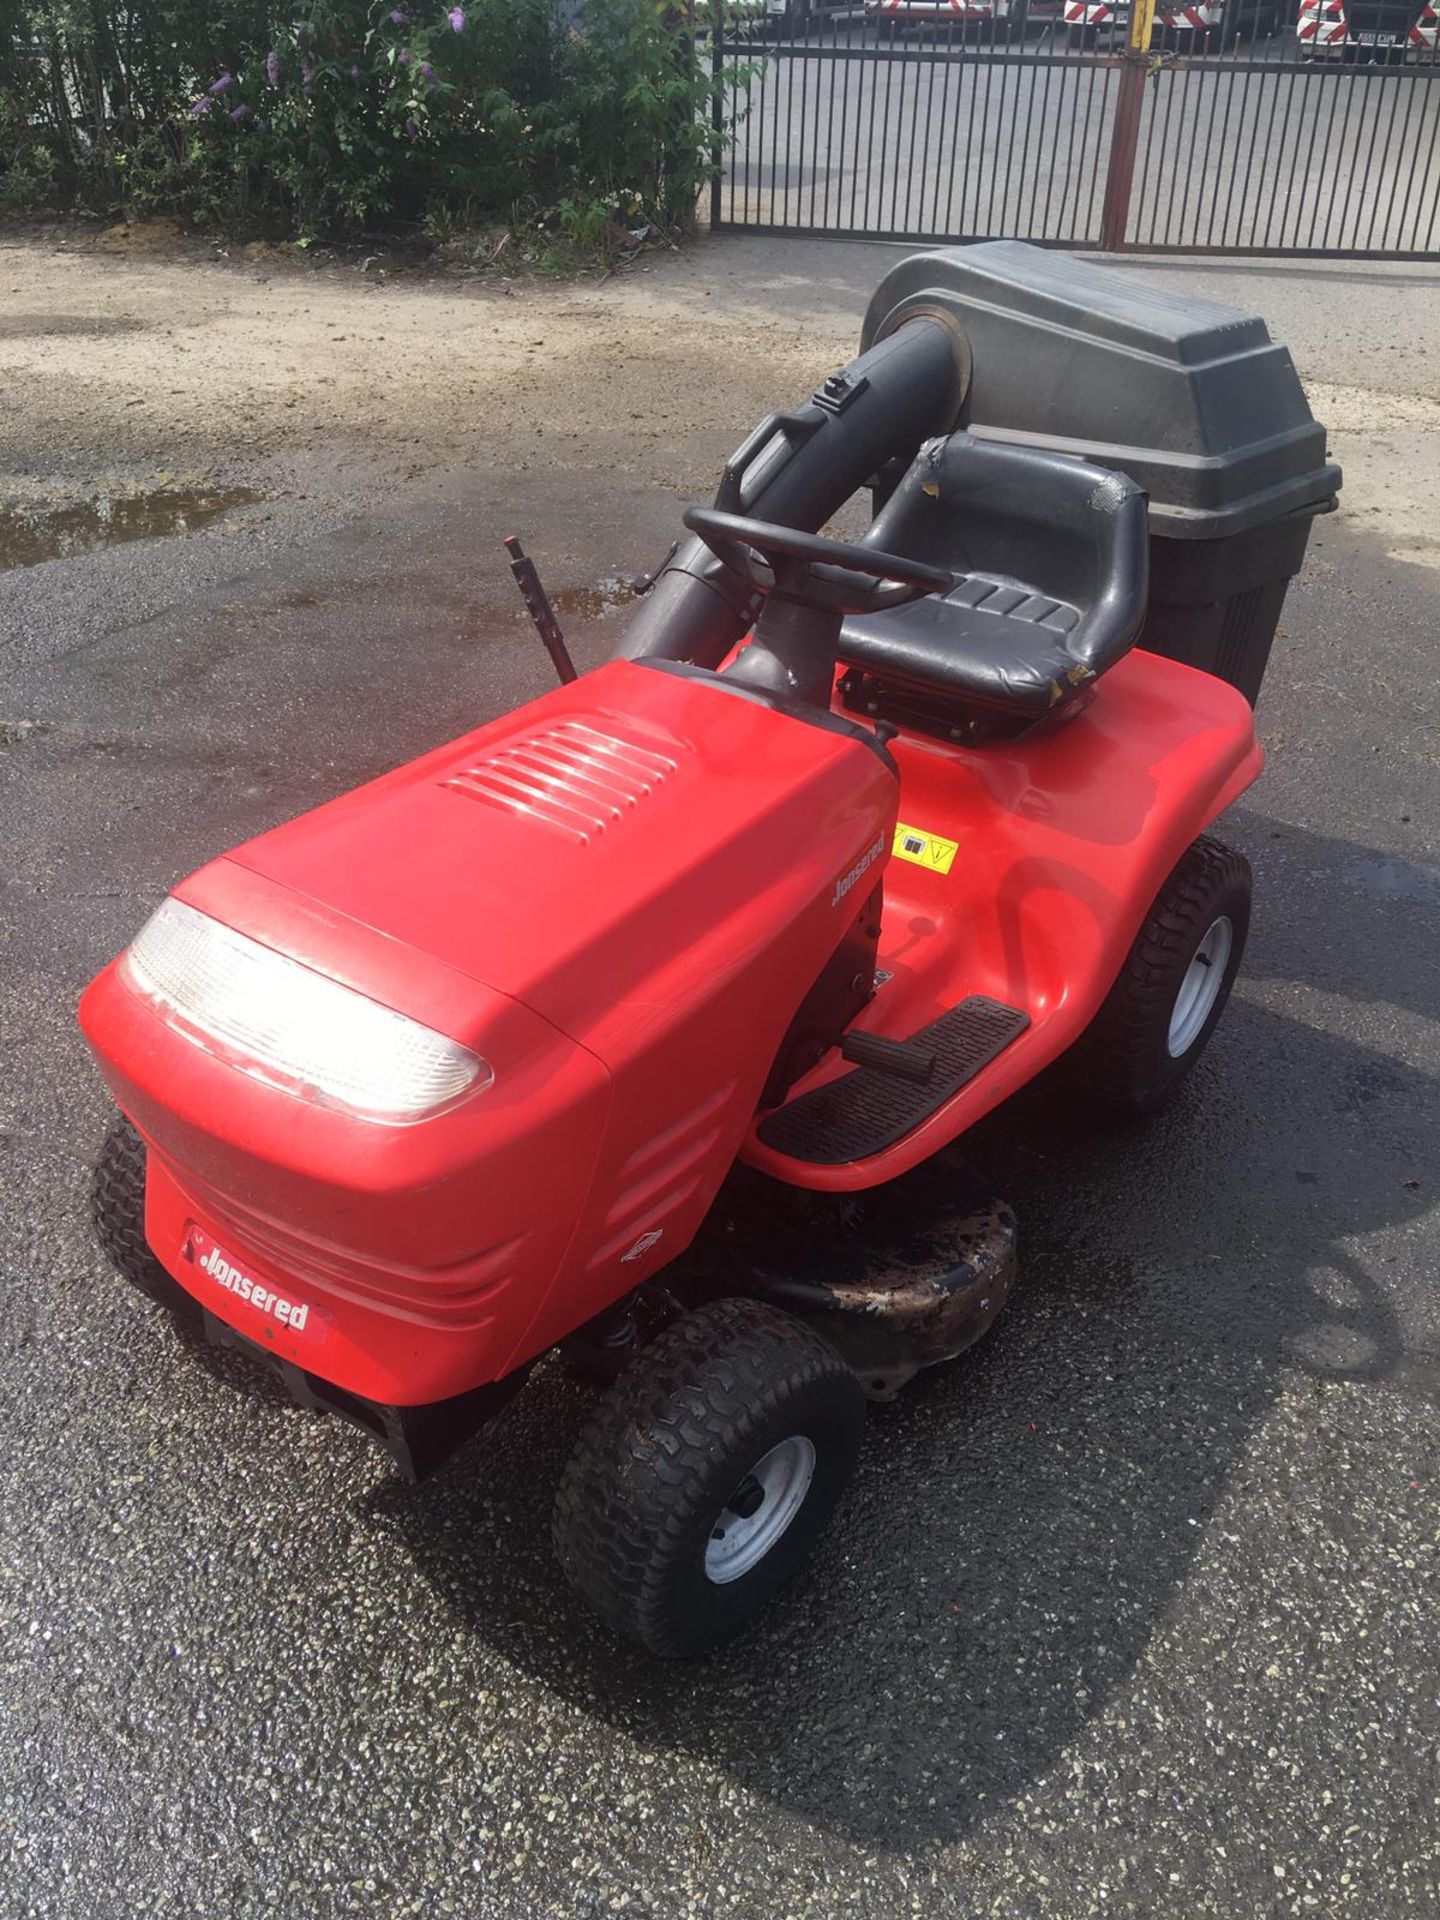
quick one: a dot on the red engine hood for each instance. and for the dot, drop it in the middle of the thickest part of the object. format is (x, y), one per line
(567, 854)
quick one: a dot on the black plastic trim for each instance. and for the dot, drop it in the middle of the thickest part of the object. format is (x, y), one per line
(419, 1439)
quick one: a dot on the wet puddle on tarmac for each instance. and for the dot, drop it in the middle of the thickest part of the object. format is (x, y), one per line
(1388, 877)
(32, 531)
(588, 603)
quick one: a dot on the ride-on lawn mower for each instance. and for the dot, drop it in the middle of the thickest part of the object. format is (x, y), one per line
(633, 1022)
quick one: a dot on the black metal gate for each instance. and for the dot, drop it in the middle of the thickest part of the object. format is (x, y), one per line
(1267, 132)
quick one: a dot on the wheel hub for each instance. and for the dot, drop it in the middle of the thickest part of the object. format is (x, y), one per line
(760, 1510)
(1200, 986)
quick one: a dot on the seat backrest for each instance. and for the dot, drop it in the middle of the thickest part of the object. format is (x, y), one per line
(1058, 526)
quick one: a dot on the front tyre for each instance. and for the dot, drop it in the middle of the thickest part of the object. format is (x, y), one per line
(117, 1211)
(1158, 1017)
(706, 1475)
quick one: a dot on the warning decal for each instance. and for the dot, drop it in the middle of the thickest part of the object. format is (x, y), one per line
(924, 849)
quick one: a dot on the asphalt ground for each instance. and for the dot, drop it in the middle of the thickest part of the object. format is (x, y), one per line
(1133, 1610)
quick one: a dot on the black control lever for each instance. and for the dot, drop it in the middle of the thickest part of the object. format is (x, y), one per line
(902, 1058)
(537, 605)
(643, 582)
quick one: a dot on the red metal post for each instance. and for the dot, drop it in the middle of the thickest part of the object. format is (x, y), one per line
(1125, 129)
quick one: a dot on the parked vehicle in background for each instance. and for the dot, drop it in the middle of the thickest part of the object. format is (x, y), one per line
(1083, 22)
(1368, 30)
(979, 17)
(1222, 21)
(1090, 23)
(799, 13)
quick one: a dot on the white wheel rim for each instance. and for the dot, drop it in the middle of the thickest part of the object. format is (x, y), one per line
(740, 1540)
(1200, 988)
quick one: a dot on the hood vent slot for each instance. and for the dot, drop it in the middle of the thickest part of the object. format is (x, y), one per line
(575, 778)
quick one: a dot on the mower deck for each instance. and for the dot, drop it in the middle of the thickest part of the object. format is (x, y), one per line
(896, 1279)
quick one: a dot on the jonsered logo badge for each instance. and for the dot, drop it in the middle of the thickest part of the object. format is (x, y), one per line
(299, 1316)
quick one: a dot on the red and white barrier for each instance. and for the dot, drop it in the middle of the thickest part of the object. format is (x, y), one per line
(1192, 19)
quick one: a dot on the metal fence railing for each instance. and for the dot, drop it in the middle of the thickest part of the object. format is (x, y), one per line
(1250, 126)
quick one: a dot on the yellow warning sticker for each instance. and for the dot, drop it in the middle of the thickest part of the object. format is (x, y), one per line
(924, 849)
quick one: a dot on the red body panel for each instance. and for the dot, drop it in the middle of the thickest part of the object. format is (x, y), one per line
(618, 895)
(1064, 839)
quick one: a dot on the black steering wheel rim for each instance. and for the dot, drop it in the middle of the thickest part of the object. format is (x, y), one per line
(728, 535)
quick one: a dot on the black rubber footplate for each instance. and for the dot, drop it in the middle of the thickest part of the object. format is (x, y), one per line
(867, 1111)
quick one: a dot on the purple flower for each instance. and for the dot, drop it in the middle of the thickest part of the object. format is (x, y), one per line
(432, 86)
(307, 76)
(272, 68)
(201, 107)
(400, 17)
(355, 73)
(456, 17)
(404, 59)
(242, 112)
(223, 84)
(412, 129)
(425, 70)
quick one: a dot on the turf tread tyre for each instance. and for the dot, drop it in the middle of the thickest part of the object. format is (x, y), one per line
(117, 1211)
(670, 1441)
(1122, 1060)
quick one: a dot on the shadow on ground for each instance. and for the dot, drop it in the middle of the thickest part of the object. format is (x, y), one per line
(1023, 1519)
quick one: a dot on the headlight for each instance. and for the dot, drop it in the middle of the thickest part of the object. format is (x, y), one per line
(282, 1023)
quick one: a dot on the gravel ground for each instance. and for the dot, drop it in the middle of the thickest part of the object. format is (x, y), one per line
(1133, 1611)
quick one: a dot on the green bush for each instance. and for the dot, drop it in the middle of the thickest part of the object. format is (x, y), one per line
(335, 115)
(630, 121)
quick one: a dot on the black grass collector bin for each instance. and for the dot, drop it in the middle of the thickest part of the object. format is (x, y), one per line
(1193, 400)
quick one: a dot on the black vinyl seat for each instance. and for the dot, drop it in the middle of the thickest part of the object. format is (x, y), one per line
(1052, 559)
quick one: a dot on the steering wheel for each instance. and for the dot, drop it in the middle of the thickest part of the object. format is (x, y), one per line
(830, 575)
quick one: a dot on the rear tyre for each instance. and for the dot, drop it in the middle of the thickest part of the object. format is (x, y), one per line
(117, 1210)
(706, 1475)
(1158, 1017)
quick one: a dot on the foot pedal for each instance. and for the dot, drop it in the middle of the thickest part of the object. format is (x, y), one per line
(900, 1057)
(870, 1109)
